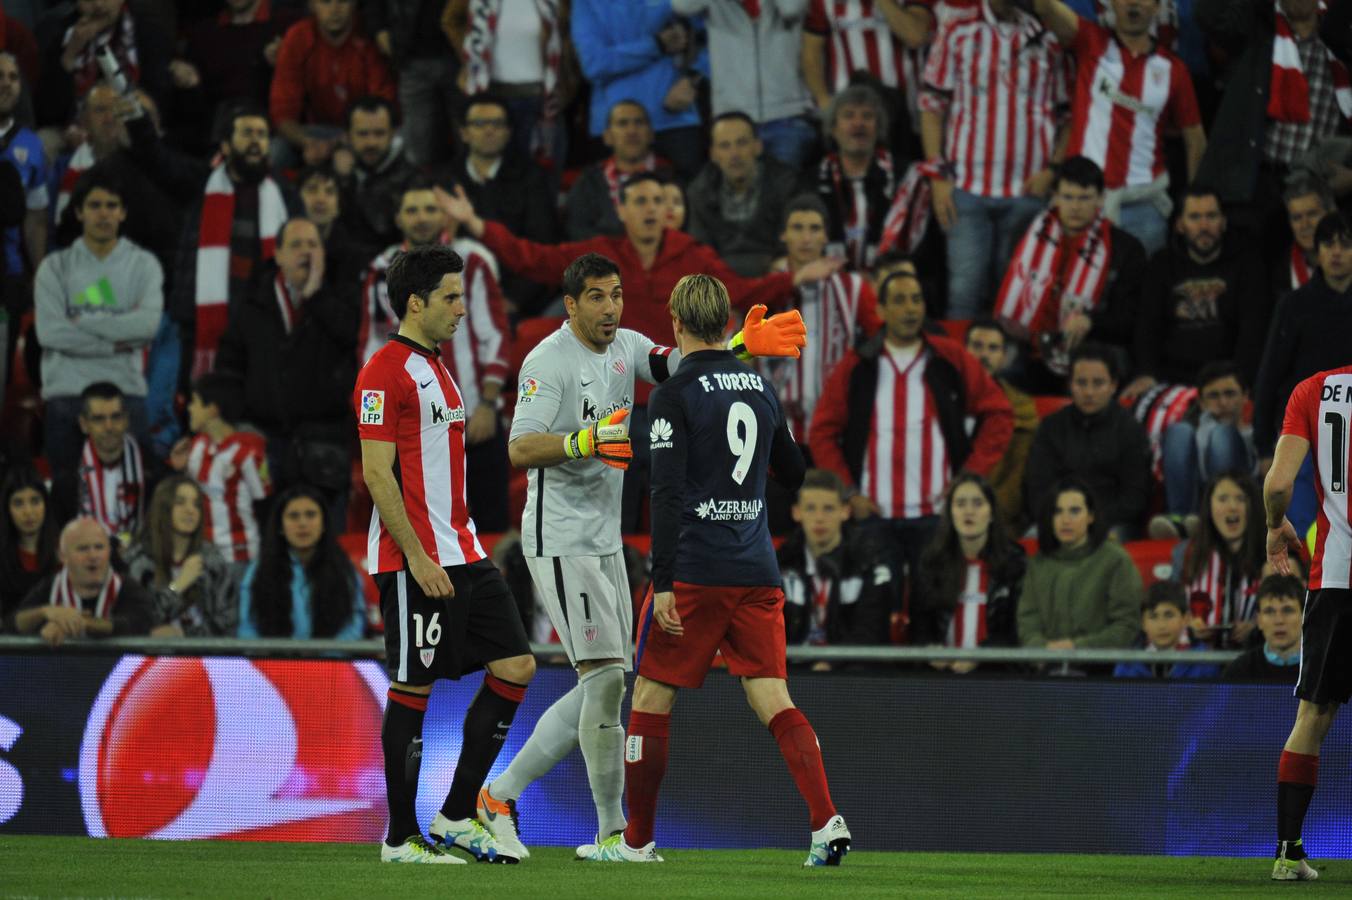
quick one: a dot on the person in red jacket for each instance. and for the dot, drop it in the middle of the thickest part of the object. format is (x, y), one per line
(325, 62)
(892, 422)
(652, 258)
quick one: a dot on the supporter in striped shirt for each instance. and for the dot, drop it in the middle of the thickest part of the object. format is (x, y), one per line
(477, 354)
(971, 576)
(838, 311)
(891, 422)
(1128, 92)
(836, 590)
(230, 466)
(1222, 563)
(883, 39)
(995, 93)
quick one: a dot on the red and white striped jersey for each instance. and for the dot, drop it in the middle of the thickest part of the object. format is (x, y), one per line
(906, 463)
(405, 395)
(967, 628)
(835, 310)
(1232, 594)
(1123, 103)
(478, 351)
(1319, 410)
(1000, 86)
(233, 475)
(858, 39)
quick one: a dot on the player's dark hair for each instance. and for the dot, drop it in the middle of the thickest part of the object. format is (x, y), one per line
(372, 103)
(1092, 351)
(1333, 227)
(223, 390)
(1046, 529)
(732, 115)
(1165, 593)
(988, 323)
(1281, 586)
(1218, 369)
(484, 99)
(98, 178)
(19, 478)
(157, 534)
(628, 101)
(101, 390)
(585, 267)
(418, 271)
(822, 480)
(1081, 172)
(943, 565)
(640, 178)
(1247, 562)
(329, 574)
(804, 203)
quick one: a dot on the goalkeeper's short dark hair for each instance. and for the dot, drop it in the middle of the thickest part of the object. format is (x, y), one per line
(823, 480)
(419, 270)
(587, 266)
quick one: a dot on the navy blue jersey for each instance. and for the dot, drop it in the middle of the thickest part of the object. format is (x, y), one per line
(716, 430)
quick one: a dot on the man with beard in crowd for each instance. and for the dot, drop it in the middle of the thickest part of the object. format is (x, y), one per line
(373, 172)
(234, 211)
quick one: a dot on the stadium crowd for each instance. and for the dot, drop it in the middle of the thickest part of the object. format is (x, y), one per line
(1061, 264)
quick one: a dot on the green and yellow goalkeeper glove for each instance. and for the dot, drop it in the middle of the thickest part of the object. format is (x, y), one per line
(780, 335)
(606, 440)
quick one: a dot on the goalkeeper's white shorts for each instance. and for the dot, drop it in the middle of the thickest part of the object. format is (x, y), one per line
(587, 598)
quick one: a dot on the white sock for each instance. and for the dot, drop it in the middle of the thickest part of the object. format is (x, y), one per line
(554, 737)
(601, 736)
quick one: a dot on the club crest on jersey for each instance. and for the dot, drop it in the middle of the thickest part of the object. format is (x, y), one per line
(659, 435)
(427, 655)
(442, 416)
(373, 407)
(589, 634)
(618, 366)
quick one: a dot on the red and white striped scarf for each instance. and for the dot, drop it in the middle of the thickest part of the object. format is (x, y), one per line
(479, 40)
(80, 162)
(288, 308)
(852, 202)
(967, 628)
(63, 593)
(1029, 296)
(615, 181)
(1289, 90)
(115, 500)
(1157, 409)
(1300, 267)
(1232, 596)
(908, 217)
(120, 38)
(213, 256)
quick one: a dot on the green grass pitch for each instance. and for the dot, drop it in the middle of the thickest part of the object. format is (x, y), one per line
(80, 867)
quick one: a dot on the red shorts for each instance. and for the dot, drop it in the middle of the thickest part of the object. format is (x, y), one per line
(746, 623)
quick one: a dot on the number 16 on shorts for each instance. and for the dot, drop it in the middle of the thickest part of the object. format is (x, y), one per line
(431, 636)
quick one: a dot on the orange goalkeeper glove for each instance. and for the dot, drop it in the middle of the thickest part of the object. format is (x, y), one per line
(780, 335)
(606, 440)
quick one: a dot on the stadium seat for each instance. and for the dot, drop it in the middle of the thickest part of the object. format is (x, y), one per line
(1154, 559)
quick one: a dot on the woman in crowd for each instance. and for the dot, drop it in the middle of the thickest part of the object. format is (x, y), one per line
(1221, 566)
(1081, 590)
(28, 536)
(967, 589)
(302, 585)
(675, 197)
(188, 577)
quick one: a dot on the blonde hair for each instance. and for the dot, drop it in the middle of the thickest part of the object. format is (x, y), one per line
(700, 302)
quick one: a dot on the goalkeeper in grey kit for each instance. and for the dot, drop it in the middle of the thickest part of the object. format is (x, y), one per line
(576, 389)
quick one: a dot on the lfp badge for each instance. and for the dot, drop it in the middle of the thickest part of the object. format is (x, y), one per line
(373, 407)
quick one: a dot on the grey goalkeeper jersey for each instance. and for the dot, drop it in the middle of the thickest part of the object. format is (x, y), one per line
(573, 509)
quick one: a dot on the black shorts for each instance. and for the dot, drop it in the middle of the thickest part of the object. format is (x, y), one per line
(1326, 647)
(428, 639)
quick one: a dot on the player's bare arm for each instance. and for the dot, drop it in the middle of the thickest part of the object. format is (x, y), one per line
(538, 451)
(377, 467)
(1277, 490)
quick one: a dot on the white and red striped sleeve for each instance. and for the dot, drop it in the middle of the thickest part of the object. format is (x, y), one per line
(487, 318)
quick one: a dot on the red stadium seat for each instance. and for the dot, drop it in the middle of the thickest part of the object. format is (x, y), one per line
(1046, 405)
(1152, 558)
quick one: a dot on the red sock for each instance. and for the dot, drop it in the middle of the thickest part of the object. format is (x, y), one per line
(798, 742)
(1298, 768)
(645, 762)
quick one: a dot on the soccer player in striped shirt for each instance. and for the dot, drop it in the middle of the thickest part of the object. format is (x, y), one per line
(1316, 422)
(446, 607)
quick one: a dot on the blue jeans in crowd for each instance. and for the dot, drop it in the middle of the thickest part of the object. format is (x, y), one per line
(979, 246)
(428, 99)
(788, 140)
(1189, 463)
(1144, 222)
